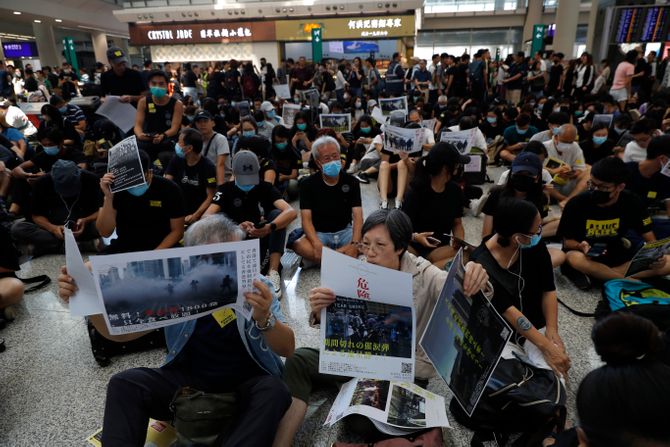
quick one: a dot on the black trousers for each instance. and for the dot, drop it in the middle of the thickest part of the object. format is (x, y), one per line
(135, 395)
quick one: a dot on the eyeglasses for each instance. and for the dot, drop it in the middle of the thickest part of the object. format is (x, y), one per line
(367, 246)
(596, 187)
(538, 233)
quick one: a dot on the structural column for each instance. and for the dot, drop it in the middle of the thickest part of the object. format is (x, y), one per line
(567, 16)
(45, 39)
(533, 17)
(99, 40)
(591, 32)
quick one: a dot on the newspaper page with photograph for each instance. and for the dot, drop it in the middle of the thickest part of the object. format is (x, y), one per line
(429, 124)
(339, 122)
(85, 301)
(123, 160)
(462, 139)
(120, 113)
(399, 139)
(395, 408)
(282, 91)
(288, 113)
(464, 338)
(389, 105)
(146, 290)
(369, 331)
(650, 253)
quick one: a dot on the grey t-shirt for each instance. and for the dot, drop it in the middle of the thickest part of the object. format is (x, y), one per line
(215, 146)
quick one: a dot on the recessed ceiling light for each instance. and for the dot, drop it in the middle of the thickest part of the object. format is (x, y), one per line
(18, 13)
(58, 20)
(37, 21)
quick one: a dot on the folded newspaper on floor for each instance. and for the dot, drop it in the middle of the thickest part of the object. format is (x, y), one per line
(369, 331)
(647, 255)
(464, 338)
(395, 408)
(159, 434)
(123, 160)
(146, 290)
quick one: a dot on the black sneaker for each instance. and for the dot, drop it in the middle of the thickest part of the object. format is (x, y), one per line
(362, 177)
(579, 279)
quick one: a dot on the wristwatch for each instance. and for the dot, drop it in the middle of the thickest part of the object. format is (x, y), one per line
(269, 323)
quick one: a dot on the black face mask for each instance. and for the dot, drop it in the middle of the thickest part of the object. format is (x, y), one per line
(522, 183)
(600, 197)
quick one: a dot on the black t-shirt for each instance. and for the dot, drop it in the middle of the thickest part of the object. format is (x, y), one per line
(498, 193)
(286, 160)
(44, 162)
(189, 79)
(31, 84)
(434, 211)
(489, 131)
(593, 154)
(331, 206)
(514, 70)
(583, 220)
(459, 85)
(130, 83)
(534, 266)
(9, 255)
(653, 190)
(143, 222)
(215, 88)
(249, 206)
(47, 203)
(193, 180)
(555, 73)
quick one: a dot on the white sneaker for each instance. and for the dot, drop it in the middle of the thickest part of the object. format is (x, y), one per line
(477, 205)
(352, 168)
(385, 205)
(275, 279)
(398, 204)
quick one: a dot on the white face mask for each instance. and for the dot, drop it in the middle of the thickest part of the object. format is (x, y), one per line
(564, 146)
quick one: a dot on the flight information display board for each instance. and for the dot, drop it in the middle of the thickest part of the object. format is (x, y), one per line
(641, 24)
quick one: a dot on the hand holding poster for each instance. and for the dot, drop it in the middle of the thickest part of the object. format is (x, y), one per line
(150, 289)
(339, 122)
(388, 105)
(369, 331)
(399, 139)
(123, 160)
(462, 139)
(395, 408)
(85, 300)
(464, 338)
(378, 115)
(650, 253)
(288, 113)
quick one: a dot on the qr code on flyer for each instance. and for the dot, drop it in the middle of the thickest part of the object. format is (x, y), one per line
(405, 368)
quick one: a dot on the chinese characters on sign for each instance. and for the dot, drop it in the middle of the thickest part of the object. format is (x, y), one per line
(225, 32)
(192, 33)
(375, 23)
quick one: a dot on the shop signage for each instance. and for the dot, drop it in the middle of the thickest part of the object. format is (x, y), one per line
(19, 49)
(317, 45)
(538, 39)
(347, 28)
(185, 33)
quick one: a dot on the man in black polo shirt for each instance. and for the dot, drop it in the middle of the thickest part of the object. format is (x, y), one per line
(120, 80)
(66, 197)
(195, 174)
(258, 208)
(330, 206)
(595, 227)
(514, 83)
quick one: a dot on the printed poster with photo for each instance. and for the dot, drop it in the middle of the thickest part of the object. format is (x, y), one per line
(399, 139)
(462, 139)
(464, 338)
(647, 255)
(395, 408)
(429, 124)
(150, 289)
(369, 331)
(288, 113)
(123, 160)
(282, 91)
(339, 122)
(389, 105)
(600, 118)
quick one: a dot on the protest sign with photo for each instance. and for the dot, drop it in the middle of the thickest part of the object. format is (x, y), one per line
(123, 160)
(464, 338)
(339, 122)
(120, 113)
(388, 105)
(395, 408)
(369, 331)
(288, 113)
(605, 119)
(429, 124)
(650, 253)
(461, 139)
(399, 139)
(305, 95)
(282, 91)
(150, 289)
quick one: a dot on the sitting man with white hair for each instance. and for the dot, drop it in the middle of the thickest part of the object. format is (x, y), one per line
(566, 164)
(330, 204)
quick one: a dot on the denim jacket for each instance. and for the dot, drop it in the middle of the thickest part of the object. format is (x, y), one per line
(178, 335)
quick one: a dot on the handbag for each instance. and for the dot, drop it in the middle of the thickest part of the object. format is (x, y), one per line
(429, 438)
(202, 419)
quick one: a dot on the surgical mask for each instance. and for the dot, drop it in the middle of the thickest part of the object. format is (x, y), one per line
(296, 100)
(491, 119)
(619, 131)
(557, 109)
(281, 146)
(158, 92)
(271, 114)
(138, 191)
(358, 104)
(245, 188)
(600, 197)
(301, 126)
(332, 168)
(562, 147)
(179, 151)
(365, 130)
(248, 133)
(599, 140)
(260, 123)
(51, 150)
(534, 240)
(522, 183)
(521, 131)
(62, 109)
(555, 130)
(579, 113)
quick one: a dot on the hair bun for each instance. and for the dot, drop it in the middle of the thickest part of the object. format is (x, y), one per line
(624, 338)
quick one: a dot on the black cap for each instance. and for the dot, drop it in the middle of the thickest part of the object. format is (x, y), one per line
(66, 177)
(204, 115)
(116, 55)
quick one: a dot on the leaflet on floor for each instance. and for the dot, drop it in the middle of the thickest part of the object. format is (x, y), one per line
(120, 113)
(85, 300)
(150, 289)
(647, 255)
(369, 331)
(159, 434)
(339, 122)
(399, 139)
(395, 408)
(288, 113)
(464, 338)
(123, 160)
(389, 105)
(462, 139)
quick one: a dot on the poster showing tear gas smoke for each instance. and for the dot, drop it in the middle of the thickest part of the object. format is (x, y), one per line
(150, 289)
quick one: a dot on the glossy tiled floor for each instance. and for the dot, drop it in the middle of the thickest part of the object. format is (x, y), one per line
(52, 391)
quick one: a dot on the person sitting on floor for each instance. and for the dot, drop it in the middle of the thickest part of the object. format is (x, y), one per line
(571, 176)
(516, 137)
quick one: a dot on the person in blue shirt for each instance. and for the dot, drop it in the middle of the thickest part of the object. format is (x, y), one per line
(216, 353)
(517, 136)
(422, 78)
(20, 144)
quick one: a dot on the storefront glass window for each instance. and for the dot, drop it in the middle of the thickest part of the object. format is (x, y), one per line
(507, 40)
(438, 6)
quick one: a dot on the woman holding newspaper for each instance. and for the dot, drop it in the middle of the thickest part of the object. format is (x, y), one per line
(386, 238)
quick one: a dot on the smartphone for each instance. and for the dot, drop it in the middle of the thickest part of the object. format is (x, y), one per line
(260, 225)
(597, 250)
(433, 240)
(104, 144)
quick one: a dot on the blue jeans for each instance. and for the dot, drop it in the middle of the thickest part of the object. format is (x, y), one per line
(337, 239)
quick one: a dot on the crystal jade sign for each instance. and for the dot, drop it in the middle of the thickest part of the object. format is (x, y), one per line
(192, 33)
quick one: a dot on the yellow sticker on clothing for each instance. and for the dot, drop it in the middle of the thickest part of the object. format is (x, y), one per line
(152, 107)
(651, 194)
(224, 316)
(156, 203)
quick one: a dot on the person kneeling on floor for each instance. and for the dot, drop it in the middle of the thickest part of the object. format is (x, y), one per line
(216, 353)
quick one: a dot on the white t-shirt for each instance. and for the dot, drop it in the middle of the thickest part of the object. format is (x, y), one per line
(543, 136)
(218, 147)
(18, 120)
(633, 152)
(546, 178)
(573, 155)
